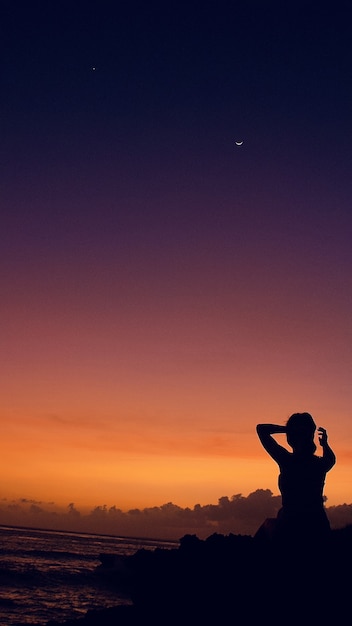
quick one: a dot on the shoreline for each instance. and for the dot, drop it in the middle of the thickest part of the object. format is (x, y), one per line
(144, 540)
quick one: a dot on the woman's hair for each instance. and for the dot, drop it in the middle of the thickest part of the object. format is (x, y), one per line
(300, 430)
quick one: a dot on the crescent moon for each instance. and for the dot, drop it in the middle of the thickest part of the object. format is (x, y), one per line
(238, 143)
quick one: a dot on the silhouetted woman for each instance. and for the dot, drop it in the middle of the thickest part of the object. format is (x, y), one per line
(302, 478)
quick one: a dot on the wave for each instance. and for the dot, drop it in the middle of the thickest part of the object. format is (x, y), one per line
(53, 575)
(47, 554)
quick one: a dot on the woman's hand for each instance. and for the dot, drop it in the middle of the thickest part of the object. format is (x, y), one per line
(323, 436)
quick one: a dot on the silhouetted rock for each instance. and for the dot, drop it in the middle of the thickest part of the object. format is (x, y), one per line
(234, 579)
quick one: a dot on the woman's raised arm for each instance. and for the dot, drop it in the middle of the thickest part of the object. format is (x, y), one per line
(265, 432)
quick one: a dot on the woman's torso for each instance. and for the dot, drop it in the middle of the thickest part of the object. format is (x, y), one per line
(301, 483)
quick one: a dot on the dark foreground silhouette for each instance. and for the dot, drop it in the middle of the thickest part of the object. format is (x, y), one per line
(231, 579)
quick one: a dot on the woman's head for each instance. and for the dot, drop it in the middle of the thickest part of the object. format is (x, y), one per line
(300, 430)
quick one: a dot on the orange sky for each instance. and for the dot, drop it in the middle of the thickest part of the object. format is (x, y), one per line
(158, 423)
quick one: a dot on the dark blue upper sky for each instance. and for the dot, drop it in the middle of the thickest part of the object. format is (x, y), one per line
(141, 148)
(139, 152)
(269, 68)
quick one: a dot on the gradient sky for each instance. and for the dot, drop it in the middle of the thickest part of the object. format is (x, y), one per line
(163, 290)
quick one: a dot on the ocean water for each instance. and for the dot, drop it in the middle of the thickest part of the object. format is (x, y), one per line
(48, 575)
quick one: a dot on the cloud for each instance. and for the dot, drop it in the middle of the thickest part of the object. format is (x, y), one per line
(36, 510)
(237, 514)
(340, 515)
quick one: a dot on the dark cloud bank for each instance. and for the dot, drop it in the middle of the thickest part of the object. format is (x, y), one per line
(237, 514)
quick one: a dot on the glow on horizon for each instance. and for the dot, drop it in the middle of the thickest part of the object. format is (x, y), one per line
(91, 463)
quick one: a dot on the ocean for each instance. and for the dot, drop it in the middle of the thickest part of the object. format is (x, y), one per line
(50, 575)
